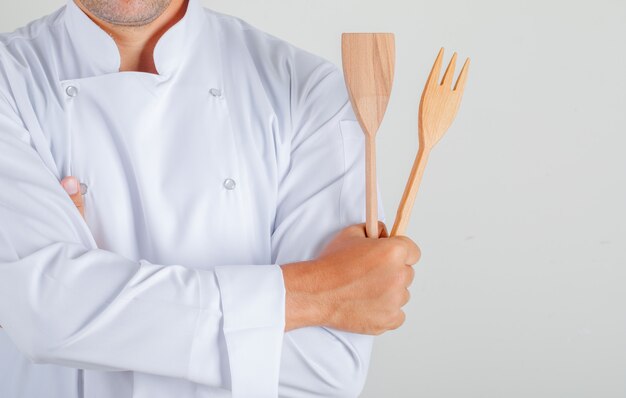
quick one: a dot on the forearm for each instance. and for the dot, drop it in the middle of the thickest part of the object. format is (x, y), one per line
(57, 308)
(305, 304)
(64, 301)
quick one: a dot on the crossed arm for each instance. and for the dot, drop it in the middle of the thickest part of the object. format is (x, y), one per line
(356, 284)
(353, 289)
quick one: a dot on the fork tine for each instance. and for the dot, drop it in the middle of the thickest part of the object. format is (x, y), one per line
(433, 78)
(460, 83)
(447, 77)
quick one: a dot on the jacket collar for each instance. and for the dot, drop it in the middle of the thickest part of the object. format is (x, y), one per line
(99, 50)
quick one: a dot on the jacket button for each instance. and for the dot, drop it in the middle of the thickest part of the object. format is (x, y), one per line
(71, 91)
(216, 92)
(83, 188)
(229, 184)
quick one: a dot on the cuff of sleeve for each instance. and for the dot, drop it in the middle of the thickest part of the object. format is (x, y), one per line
(253, 307)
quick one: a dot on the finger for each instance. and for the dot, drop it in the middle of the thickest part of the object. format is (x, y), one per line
(410, 276)
(353, 231)
(72, 187)
(407, 297)
(382, 230)
(413, 252)
(398, 321)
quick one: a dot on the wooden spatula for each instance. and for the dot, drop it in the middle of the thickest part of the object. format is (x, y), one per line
(438, 107)
(368, 67)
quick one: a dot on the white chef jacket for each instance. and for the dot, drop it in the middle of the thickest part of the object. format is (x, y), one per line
(241, 154)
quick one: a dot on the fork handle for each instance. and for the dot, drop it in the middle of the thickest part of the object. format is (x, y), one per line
(403, 214)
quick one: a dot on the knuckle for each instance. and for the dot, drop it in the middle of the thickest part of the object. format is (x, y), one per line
(349, 227)
(381, 326)
(395, 251)
(398, 320)
(402, 318)
(395, 300)
(419, 253)
(390, 319)
(391, 314)
(350, 231)
(410, 275)
(412, 248)
(407, 296)
(401, 298)
(399, 278)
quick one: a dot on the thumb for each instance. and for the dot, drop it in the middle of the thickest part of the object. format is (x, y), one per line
(359, 230)
(72, 187)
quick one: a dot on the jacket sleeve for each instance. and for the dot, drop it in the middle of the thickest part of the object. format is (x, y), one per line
(64, 301)
(322, 191)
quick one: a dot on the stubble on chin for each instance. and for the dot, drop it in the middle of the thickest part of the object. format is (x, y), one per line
(128, 13)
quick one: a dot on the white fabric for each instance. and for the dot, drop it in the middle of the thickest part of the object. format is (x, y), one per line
(171, 287)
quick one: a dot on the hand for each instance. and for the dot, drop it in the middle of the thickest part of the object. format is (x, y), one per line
(356, 284)
(72, 187)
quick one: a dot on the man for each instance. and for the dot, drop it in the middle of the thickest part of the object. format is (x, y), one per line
(222, 251)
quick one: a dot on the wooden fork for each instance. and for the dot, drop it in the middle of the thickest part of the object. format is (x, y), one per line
(437, 110)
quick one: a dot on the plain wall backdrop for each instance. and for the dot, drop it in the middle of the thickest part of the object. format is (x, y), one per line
(521, 215)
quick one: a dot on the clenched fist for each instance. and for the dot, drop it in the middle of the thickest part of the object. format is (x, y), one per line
(357, 284)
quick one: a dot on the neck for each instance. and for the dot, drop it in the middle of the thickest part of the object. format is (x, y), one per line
(136, 43)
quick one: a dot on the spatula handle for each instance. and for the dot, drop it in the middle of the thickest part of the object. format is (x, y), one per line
(371, 198)
(403, 214)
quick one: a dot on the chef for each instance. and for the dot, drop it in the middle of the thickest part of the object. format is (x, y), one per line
(219, 248)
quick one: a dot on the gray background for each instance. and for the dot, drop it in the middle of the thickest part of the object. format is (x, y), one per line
(520, 291)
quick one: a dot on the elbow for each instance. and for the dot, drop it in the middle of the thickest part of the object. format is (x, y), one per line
(337, 368)
(348, 365)
(348, 375)
(347, 380)
(336, 382)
